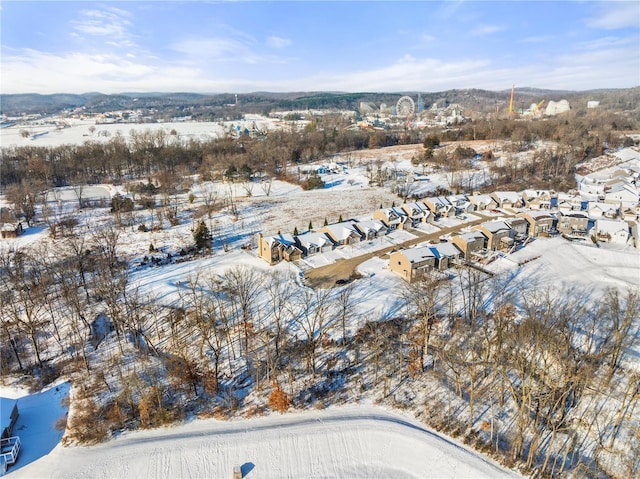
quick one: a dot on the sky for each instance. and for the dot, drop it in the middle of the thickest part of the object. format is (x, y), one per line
(373, 46)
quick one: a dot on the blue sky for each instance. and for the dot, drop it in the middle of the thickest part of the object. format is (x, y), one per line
(239, 47)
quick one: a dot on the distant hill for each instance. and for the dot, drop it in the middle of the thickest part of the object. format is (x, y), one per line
(262, 102)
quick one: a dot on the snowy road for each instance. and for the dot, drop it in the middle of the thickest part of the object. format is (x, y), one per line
(350, 442)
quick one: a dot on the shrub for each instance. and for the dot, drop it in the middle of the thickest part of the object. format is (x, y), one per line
(278, 399)
(121, 203)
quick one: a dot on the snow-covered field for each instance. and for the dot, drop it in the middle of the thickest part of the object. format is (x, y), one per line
(80, 131)
(353, 442)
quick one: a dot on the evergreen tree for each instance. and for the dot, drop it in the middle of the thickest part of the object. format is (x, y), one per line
(202, 236)
(340, 219)
(310, 226)
(295, 231)
(326, 223)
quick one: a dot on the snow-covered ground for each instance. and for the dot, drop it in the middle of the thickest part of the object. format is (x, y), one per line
(80, 131)
(352, 442)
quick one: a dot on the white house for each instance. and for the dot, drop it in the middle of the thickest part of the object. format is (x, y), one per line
(611, 231)
(597, 210)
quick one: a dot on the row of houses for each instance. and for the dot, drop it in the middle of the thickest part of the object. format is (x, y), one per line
(503, 234)
(290, 247)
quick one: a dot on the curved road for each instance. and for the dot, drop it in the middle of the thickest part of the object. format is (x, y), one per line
(326, 276)
(351, 442)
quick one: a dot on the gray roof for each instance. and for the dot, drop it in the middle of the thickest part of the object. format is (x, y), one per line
(418, 254)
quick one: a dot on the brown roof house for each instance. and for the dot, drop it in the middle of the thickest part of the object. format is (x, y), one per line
(497, 232)
(274, 249)
(412, 263)
(540, 222)
(469, 243)
(344, 233)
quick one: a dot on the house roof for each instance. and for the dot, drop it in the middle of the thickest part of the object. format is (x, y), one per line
(495, 226)
(415, 208)
(611, 226)
(481, 199)
(472, 236)
(341, 231)
(313, 239)
(445, 250)
(369, 225)
(593, 205)
(537, 215)
(575, 214)
(418, 254)
(284, 239)
(510, 196)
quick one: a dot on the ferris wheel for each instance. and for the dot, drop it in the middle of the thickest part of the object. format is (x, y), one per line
(405, 106)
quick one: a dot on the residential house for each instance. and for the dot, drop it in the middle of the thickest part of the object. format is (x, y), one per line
(537, 199)
(393, 218)
(611, 231)
(630, 214)
(623, 195)
(445, 254)
(519, 227)
(597, 210)
(344, 233)
(573, 223)
(11, 230)
(540, 222)
(461, 204)
(371, 229)
(417, 212)
(569, 202)
(412, 263)
(439, 206)
(482, 202)
(469, 243)
(312, 242)
(507, 199)
(274, 249)
(497, 232)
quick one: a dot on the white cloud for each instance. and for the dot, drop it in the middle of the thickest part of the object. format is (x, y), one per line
(199, 69)
(278, 42)
(112, 22)
(614, 15)
(486, 30)
(223, 50)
